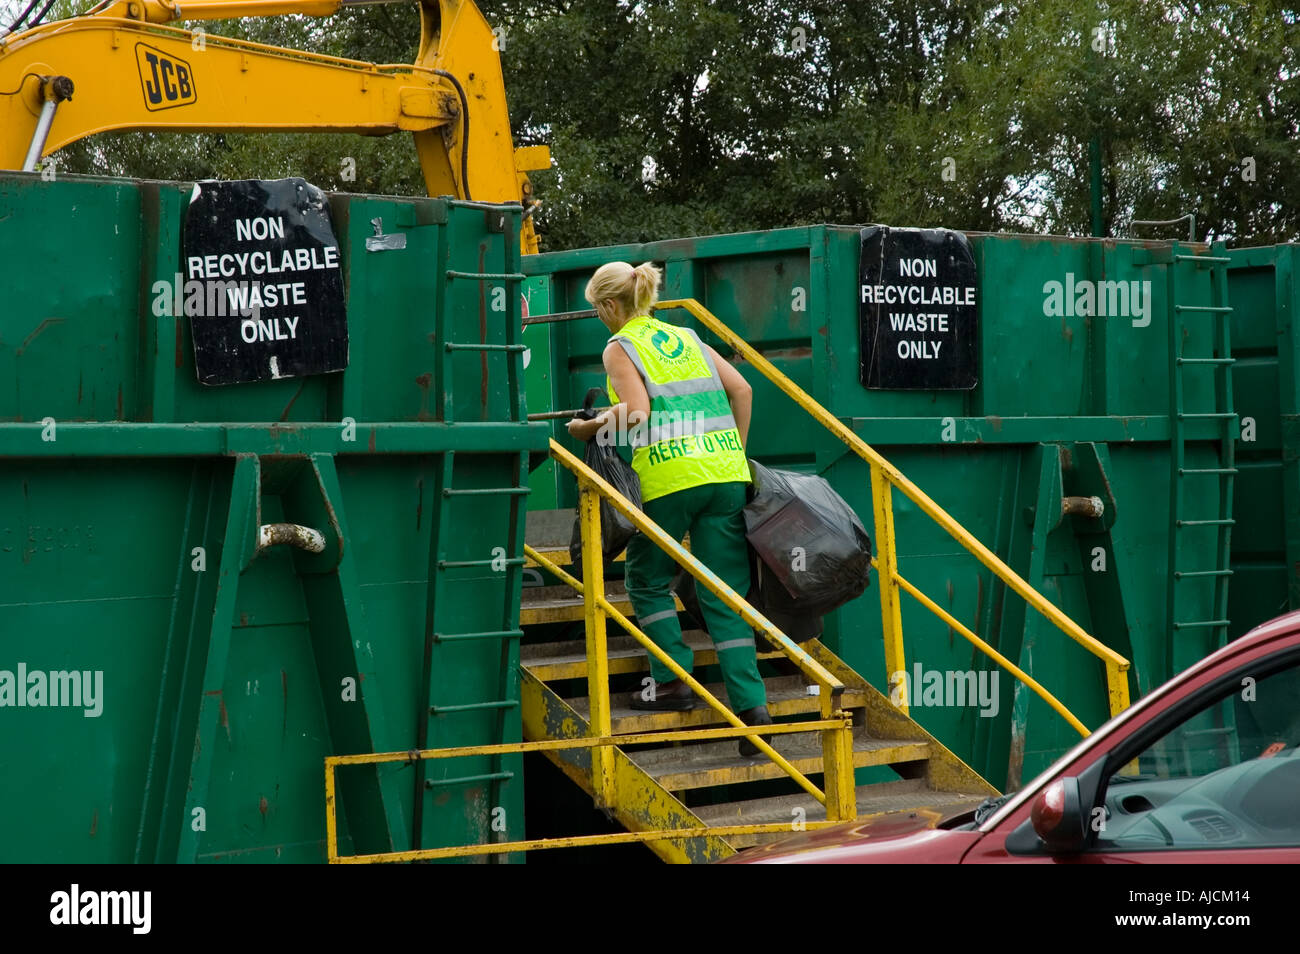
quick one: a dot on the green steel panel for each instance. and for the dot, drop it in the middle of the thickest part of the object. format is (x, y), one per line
(1266, 540)
(1046, 382)
(1064, 405)
(128, 540)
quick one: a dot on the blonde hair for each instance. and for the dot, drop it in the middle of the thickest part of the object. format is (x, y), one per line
(636, 289)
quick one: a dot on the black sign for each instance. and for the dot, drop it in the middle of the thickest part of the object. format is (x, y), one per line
(916, 299)
(263, 282)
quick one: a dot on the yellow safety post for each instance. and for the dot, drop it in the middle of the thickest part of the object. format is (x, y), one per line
(331, 820)
(593, 590)
(1117, 686)
(837, 766)
(891, 614)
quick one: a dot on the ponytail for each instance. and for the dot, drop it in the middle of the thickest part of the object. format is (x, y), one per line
(645, 281)
(636, 289)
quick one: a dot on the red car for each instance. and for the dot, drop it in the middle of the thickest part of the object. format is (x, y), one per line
(1203, 769)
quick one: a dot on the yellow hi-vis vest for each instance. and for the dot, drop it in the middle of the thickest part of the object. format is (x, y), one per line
(691, 437)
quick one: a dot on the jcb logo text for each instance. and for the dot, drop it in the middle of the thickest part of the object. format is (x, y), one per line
(165, 80)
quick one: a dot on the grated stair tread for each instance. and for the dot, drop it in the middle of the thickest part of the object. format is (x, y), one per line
(703, 765)
(568, 659)
(559, 604)
(786, 695)
(549, 532)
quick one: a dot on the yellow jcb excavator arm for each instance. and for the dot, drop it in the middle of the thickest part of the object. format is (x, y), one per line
(121, 66)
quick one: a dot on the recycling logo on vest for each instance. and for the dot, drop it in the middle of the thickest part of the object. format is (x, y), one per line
(667, 344)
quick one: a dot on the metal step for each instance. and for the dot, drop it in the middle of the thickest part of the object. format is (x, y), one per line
(560, 556)
(560, 604)
(569, 609)
(703, 765)
(549, 532)
(549, 529)
(568, 659)
(879, 799)
(533, 595)
(786, 696)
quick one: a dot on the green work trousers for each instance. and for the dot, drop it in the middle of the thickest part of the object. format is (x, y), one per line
(712, 515)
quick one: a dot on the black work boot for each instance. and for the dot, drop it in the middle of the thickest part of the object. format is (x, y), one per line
(757, 716)
(671, 696)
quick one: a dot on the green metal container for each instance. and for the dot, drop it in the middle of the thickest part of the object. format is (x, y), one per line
(1065, 405)
(1266, 539)
(223, 670)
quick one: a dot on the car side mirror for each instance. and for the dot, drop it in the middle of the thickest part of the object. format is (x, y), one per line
(1057, 822)
(1058, 817)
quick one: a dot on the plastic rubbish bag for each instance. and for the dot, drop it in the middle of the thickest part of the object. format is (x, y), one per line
(615, 529)
(808, 553)
(808, 539)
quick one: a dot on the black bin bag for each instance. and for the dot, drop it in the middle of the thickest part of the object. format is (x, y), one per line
(809, 553)
(806, 538)
(615, 529)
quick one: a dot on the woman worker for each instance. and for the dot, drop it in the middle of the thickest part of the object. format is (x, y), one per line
(690, 457)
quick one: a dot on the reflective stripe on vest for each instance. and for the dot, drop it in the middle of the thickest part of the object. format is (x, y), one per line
(691, 438)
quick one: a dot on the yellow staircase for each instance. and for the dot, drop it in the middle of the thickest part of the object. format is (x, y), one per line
(651, 771)
(661, 784)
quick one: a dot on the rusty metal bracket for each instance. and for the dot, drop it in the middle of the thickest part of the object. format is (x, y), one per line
(290, 534)
(1083, 506)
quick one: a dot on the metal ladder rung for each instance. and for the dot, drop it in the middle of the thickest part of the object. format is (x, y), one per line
(502, 643)
(488, 276)
(487, 634)
(485, 491)
(465, 779)
(1219, 316)
(454, 346)
(456, 564)
(560, 316)
(474, 706)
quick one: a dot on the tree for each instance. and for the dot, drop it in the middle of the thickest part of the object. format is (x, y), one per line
(684, 117)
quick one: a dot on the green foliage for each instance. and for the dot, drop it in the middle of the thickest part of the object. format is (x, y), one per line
(682, 117)
(759, 114)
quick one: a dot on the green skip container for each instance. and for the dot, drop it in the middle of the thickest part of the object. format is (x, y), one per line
(207, 590)
(1129, 403)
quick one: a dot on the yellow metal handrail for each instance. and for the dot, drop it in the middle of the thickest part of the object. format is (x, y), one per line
(884, 477)
(837, 745)
(835, 724)
(428, 854)
(332, 763)
(992, 653)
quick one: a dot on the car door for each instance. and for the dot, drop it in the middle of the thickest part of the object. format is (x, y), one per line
(1212, 776)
